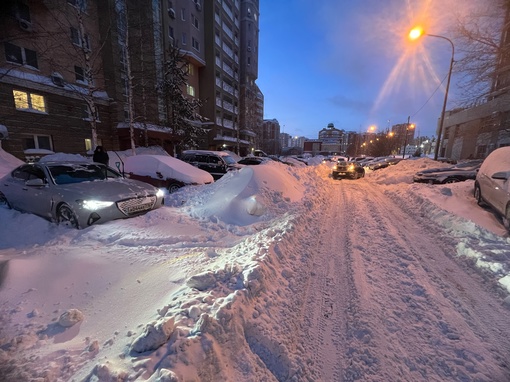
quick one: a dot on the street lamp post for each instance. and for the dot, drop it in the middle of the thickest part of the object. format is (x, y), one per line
(414, 34)
(408, 126)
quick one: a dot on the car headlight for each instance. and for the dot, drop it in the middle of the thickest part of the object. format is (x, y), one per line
(160, 193)
(95, 205)
(350, 168)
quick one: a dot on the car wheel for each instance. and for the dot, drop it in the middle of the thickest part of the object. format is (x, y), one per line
(3, 201)
(506, 218)
(172, 187)
(66, 217)
(478, 195)
(451, 180)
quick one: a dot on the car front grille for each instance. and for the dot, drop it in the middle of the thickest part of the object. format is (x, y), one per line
(136, 205)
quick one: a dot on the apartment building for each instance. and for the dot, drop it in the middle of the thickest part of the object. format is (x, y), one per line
(51, 79)
(228, 79)
(477, 131)
(77, 73)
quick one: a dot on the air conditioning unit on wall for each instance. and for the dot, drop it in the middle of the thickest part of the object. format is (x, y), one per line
(57, 79)
(25, 25)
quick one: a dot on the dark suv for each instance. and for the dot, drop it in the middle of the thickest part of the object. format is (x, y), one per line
(344, 169)
(217, 163)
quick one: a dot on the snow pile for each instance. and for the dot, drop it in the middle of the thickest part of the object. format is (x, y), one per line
(204, 289)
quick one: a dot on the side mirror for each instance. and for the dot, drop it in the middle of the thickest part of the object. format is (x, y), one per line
(502, 175)
(35, 182)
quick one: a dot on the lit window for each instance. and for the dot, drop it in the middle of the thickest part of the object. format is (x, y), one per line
(29, 101)
(190, 90)
(22, 56)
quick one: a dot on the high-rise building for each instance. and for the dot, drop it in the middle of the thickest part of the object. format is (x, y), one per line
(74, 74)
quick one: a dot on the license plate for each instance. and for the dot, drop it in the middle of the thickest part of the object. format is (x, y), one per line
(140, 207)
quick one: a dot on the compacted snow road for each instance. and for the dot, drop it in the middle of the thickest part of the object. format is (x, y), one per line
(394, 304)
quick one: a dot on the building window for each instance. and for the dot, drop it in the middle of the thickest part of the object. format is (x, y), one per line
(191, 70)
(170, 31)
(183, 14)
(194, 21)
(88, 143)
(80, 4)
(80, 74)
(87, 114)
(195, 43)
(183, 40)
(38, 142)
(77, 39)
(190, 90)
(29, 101)
(22, 56)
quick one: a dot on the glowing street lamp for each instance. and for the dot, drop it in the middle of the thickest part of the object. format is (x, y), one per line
(414, 34)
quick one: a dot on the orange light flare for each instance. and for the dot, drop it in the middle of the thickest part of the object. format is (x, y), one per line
(414, 73)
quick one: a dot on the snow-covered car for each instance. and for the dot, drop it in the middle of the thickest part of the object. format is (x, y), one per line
(76, 194)
(492, 183)
(451, 174)
(343, 169)
(383, 163)
(217, 163)
(164, 171)
(250, 161)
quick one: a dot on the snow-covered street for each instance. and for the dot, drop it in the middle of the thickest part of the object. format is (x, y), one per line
(274, 273)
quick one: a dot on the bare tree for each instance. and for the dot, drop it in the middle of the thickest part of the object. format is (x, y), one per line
(480, 49)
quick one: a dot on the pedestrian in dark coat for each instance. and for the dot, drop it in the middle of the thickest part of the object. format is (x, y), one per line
(101, 156)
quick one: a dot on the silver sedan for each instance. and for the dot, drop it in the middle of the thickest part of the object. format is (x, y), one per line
(76, 194)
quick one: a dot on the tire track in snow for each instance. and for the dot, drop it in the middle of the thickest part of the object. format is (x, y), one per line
(421, 316)
(331, 288)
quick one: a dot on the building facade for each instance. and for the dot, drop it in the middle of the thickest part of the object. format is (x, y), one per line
(476, 131)
(52, 85)
(75, 74)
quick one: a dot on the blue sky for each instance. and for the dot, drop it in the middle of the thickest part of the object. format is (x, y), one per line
(350, 63)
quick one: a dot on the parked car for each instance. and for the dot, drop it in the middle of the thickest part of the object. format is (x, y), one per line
(451, 174)
(76, 194)
(382, 163)
(250, 161)
(217, 163)
(492, 183)
(164, 171)
(344, 169)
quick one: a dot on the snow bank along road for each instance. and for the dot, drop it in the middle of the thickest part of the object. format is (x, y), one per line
(354, 283)
(385, 300)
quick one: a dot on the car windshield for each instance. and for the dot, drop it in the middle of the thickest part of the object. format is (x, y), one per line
(77, 173)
